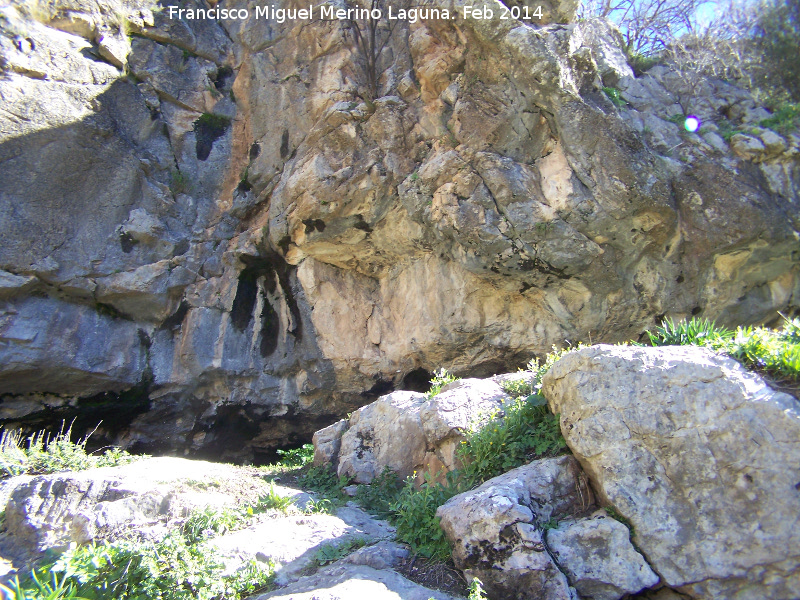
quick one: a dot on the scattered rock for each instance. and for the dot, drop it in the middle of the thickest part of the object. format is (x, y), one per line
(598, 558)
(353, 581)
(496, 529)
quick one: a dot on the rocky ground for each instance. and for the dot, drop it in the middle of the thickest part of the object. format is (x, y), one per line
(149, 497)
(681, 482)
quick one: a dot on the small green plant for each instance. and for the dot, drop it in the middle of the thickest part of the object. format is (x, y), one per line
(615, 96)
(551, 523)
(699, 332)
(324, 481)
(179, 183)
(329, 553)
(43, 452)
(476, 591)
(297, 457)
(381, 494)
(415, 514)
(677, 118)
(210, 521)
(785, 120)
(321, 506)
(272, 500)
(440, 379)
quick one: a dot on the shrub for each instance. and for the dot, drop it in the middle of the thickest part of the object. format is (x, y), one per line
(415, 514)
(381, 495)
(527, 431)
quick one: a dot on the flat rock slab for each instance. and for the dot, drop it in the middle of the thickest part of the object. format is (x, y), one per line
(47, 511)
(345, 581)
(293, 541)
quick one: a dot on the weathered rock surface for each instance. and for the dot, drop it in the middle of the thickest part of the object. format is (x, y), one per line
(292, 541)
(497, 533)
(597, 556)
(701, 456)
(51, 511)
(150, 497)
(406, 432)
(269, 247)
(354, 581)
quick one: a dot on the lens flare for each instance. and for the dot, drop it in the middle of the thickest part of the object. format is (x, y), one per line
(691, 123)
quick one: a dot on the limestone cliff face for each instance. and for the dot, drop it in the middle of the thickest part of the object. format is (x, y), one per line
(217, 240)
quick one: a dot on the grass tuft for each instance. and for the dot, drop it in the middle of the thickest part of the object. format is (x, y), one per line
(775, 353)
(43, 452)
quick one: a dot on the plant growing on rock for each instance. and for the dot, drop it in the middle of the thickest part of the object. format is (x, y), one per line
(773, 352)
(440, 379)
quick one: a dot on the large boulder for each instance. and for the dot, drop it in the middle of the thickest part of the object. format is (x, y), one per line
(407, 432)
(497, 529)
(700, 456)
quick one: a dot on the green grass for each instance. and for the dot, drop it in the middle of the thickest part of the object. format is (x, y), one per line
(773, 352)
(174, 568)
(784, 120)
(43, 452)
(329, 553)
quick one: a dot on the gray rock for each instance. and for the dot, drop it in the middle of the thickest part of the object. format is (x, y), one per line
(52, 346)
(496, 529)
(292, 541)
(51, 511)
(598, 558)
(697, 453)
(407, 433)
(354, 581)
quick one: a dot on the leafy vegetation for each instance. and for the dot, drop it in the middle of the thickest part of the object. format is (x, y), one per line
(43, 452)
(172, 569)
(615, 96)
(415, 514)
(297, 457)
(773, 352)
(476, 590)
(785, 119)
(440, 379)
(526, 431)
